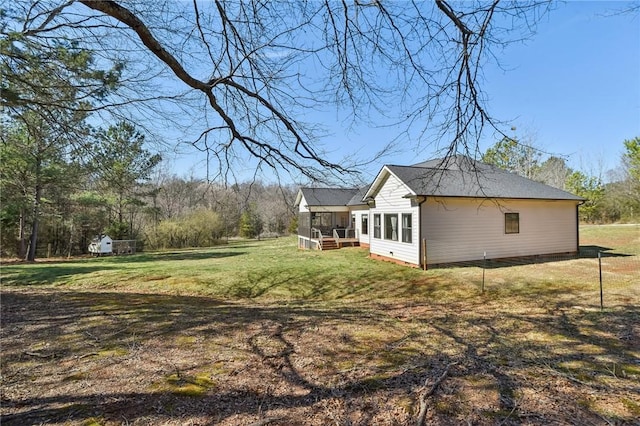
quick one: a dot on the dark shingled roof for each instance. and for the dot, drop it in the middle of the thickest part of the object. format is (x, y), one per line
(461, 176)
(357, 198)
(329, 196)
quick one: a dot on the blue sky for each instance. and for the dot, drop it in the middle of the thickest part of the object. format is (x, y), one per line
(573, 89)
(576, 84)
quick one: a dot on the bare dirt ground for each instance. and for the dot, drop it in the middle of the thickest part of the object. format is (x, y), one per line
(111, 358)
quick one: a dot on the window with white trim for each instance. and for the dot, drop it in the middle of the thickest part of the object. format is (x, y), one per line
(377, 226)
(365, 224)
(391, 227)
(406, 227)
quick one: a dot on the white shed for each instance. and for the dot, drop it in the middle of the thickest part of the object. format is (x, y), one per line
(101, 245)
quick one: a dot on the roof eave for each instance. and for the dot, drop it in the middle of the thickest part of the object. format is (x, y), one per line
(500, 197)
(377, 183)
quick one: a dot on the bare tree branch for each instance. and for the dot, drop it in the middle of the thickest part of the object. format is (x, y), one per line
(254, 70)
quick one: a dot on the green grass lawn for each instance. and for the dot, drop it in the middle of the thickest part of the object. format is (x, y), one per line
(623, 239)
(259, 331)
(277, 270)
(263, 270)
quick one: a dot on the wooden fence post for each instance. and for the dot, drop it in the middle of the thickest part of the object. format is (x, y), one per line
(484, 266)
(600, 269)
(424, 253)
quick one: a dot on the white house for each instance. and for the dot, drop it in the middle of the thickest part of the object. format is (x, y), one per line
(445, 211)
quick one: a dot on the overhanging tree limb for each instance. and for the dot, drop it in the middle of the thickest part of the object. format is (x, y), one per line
(125, 16)
(302, 148)
(261, 67)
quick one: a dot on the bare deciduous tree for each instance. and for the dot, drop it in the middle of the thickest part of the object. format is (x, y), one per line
(249, 71)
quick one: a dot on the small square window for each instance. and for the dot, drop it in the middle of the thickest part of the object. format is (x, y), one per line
(512, 223)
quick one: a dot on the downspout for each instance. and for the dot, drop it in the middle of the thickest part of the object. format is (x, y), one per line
(578, 226)
(422, 246)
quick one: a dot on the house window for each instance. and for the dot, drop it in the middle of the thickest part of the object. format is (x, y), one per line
(365, 224)
(353, 221)
(376, 226)
(391, 227)
(406, 228)
(512, 223)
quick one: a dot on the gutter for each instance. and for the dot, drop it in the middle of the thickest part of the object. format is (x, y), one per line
(423, 245)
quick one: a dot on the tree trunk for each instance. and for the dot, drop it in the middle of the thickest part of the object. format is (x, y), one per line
(120, 215)
(70, 241)
(33, 240)
(22, 248)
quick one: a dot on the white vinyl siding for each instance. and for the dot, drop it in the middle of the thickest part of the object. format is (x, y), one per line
(361, 234)
(462, 229)
(302, 207)
(391, 200)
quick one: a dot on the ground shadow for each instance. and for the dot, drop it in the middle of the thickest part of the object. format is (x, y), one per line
(47, 273)
(481, 343)
(175, 256)
(592, 251)
(585, 252)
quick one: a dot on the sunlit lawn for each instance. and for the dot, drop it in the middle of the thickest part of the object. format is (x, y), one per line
(276, 270)
(261, 270)
(259, 330)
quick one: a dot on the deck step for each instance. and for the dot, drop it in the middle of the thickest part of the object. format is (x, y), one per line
(329, 244)
(333, 244)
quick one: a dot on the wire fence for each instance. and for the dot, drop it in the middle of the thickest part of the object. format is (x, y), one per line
(618, 274)
(604, 278)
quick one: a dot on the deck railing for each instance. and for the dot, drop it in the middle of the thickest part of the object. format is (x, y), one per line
(344, 233)
(316, 234)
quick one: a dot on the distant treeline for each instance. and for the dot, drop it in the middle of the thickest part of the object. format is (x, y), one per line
(616, 200)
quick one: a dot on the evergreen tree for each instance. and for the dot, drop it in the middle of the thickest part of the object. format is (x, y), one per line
(121, 164)
(250, 223)
(631, 158)
(35, 166)
(46, 90)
